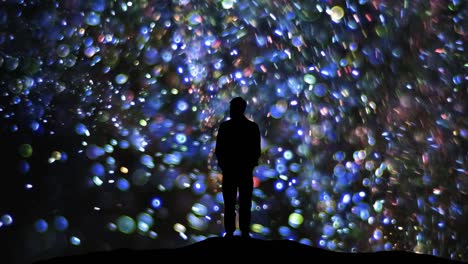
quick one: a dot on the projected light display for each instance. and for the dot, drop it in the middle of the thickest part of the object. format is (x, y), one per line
(109, 113)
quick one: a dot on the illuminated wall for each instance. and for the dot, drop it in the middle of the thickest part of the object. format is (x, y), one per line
(109, 111)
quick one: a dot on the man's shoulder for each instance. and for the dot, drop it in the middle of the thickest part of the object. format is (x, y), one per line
(253, 124)
(224, 123)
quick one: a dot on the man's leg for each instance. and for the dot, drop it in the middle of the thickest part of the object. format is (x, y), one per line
(245, 202)
(229, 197)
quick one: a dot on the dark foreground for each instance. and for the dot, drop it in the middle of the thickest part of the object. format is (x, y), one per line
(218, 250)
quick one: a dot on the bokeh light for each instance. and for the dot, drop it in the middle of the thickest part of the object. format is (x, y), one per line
(109, 113)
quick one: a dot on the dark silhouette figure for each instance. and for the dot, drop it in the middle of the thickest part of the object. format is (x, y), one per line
(237, 151)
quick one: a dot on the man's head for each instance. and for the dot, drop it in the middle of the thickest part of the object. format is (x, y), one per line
(237, 107)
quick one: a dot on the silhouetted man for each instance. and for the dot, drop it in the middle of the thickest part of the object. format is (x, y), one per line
(237, 151)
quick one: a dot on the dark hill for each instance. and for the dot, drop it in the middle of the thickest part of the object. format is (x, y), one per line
(216, 250)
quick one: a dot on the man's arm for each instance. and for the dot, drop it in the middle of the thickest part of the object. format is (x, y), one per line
(220, 146)
(257, 143)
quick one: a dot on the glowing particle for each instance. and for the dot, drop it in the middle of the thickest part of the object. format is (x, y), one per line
(25, 150)
(388, 246)
(41, 226)
(98, 5)
(199, 187)
(123, 184)
(277, 110)
(257, 228)
(196, 222)
(369, 165)
(179, 228)
(339, 156)
(284, 231)
(75, 241)
(147, 160)
(346, 198)
(339, 171)
(93, 19)
(98, 169)
(166, 56)
(156, 203)
(90, 51)
(320, 90)
(112, 226)
(279, 185)
(108, 149)
(361, 154)
(124, 144)
(199, 209)
(194, 18)
(331, 245)
(97, 181)
(172, 158)
(153, 234)
(328, 230)
(11, 63)
(378, 172)
(121, 78)
(24, 167)
(336, 13)
(126, 224)
(381, 31)
(60, 223)
(63, 50)
(150, 56)
(288, 155)
(6, 219)
(297, 42)
(364, 213)
(144, 222)
(458, 79)
(386, 221)
(280, 167)
(228, 4)
(305, 241)
(56, 155)
(366, 182)
(143, 122)
(142, 226)
(81, 129)
(123, 170)
(322, 243)
(377, 234)
(183, 181)
(378, 206)
(295, 220)
(181, 138)
(94, 152)
(34, 125)
(353, 46)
